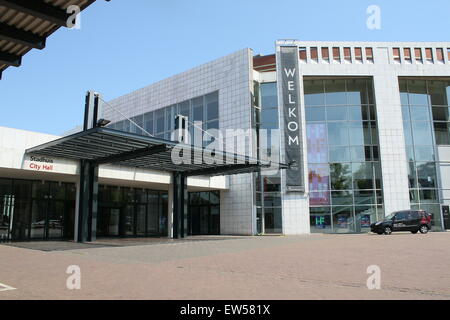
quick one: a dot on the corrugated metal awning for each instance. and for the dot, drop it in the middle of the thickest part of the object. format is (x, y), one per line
(26, 24)
(107, 146)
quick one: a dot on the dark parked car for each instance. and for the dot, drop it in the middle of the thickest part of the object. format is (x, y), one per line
(408, 220)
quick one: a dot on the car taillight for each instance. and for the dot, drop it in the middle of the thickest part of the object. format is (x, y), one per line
(426, 219)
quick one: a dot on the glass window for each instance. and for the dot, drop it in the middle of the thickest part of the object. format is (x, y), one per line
(212, 106)
(184, 109)
(269, 115)
(319, 177)
(357, 92)
(269, 97)
(418, 92)
(170, 117)
(341, 176)
(335, 92)
(442, 133)
(360, 153)
(336, 113)
(338, 133)
(273, 220)
(339, 154)
(441, 113)
(57, 190)
(315, 113)
(420, 113)
(438, 93)
(40, 190)
(408, 133)
(197, 109)
(349, 134)
(148, 122)
(314, 93)
(320, 219)
(343, 219)
(160, 120)
(424, 153)
(363, 176)
(426, 174)
(358, 113)
(360, 133)
(422, 133)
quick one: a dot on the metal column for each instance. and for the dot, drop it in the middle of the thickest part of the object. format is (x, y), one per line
(180, 197)
(88, 190)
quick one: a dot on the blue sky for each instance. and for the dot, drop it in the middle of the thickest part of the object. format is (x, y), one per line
(124, 45)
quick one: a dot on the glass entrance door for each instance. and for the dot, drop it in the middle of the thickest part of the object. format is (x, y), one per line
(6, 210)
(55, 214)
(38, 217)
(108, 222)
(204, 220)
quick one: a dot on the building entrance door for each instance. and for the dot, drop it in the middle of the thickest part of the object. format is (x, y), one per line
(446, 215)
(204, 220)
(108, 221)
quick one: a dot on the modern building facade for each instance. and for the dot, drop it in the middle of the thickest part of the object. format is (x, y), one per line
(365, 127)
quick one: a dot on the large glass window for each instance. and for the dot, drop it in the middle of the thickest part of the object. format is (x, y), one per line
(161, 122)
(133, 212)
(36, 210)
(268, 187)
(343, 155)
(425, 108)
(204, 213)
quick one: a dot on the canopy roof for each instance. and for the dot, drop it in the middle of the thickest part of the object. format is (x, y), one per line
(107, 146)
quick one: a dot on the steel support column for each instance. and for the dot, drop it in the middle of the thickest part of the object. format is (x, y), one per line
(180, 201)
(87, 202)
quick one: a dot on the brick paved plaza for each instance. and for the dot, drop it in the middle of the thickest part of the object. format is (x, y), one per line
(300, 267)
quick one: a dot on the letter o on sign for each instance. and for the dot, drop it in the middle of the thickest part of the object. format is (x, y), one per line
(295, 126)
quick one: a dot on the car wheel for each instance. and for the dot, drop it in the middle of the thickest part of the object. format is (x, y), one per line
(380, 232)
(387, 230)
(414, 232)
(423, 229)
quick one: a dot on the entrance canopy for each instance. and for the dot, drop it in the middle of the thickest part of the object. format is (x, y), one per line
(107, 146)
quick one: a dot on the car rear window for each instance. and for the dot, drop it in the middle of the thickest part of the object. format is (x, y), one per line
(415, 215)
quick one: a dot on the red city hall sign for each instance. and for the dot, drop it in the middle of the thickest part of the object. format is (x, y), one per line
(41, 167)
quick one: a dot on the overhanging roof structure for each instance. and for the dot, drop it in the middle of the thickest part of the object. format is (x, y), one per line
(107, 146)
(26, 24)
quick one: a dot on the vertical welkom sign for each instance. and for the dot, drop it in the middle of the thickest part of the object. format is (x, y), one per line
(292, 126)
